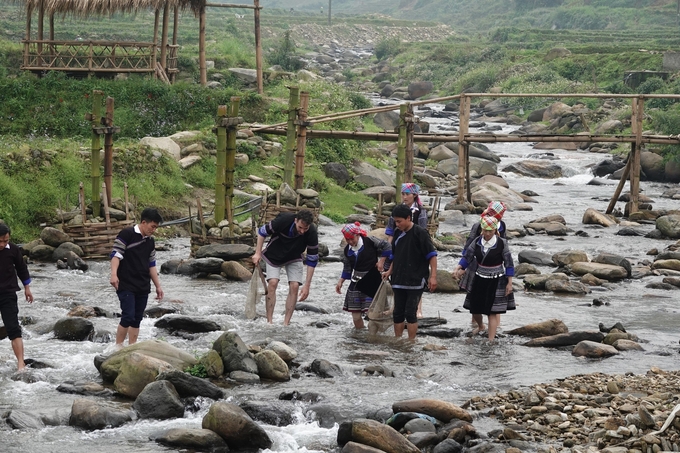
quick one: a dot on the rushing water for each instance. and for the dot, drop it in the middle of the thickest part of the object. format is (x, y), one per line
(455, 373)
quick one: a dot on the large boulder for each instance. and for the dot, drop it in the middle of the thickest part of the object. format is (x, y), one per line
(445, 282)
(669, 225)
(159, 400)
(475, 150)
(225, 252)
(271, 366)
(188, 386)
(481, 167)
(556, 110)
(74, 329)
(539, 282)
(277, 413)
(440, 153)
(593, 350)
(247, 75)
(566, 257)
(234, 353)
(54, 237)
(388, 193)
(200, 265)
(236, 427)
(337, 172)
(89, 414)
(164, 144)
(63, 251)
(419, 89)
(284, 351)
(376, 435)
(486, 192)
(371, 176)
(540, 329)
(672, 171)
(187, 324)
(566, 339)
(535, 169)
(535, 257)
(594, 217)
(110, 366)
(325, 369)
(653, 165)
(233, 270)
(136, 371)
(604, 271)
(609, 127)
(565, 286)
(441, 410)
(191, 439)
(615, 260)
(388, 121)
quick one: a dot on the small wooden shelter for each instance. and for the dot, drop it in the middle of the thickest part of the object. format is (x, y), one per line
(43, 53)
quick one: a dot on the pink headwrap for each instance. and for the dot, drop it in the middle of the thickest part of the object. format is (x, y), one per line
(353, 229)
(489, 223)
(409, 187)
(495, 209)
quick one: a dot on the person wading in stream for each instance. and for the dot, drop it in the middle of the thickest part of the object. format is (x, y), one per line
(413, 253)
(488, 280)
(290, 234)
(133, 267)
(12, 266)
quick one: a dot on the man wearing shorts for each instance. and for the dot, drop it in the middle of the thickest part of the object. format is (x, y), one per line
(133, 267)
(12, 265)
(290, 234)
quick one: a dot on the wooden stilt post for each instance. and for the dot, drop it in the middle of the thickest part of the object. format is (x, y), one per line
(203, 68)
(41, 37)
(301, 140)
(231, 160)
(221, 168)
(636, 148)
(154, 49)
(108, 152)
(52, 47)
(619, 188)
(164, 37)
(258, 47)
(95, 159)
(401, 151)
(127, 199)
(464, 119)
(175, 25)
(291, 135)
(409, 154)
(107, 201)
(27, 46)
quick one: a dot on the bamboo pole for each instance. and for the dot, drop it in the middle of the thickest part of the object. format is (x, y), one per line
(301, 141)
(27, 46)
(231, 5)
(231, 163)
(221, 168)
(108, 153)
(199, 211)
(636, 148)
(258, 47)
(619, 187)
(201, 48)
(107, 200)
(81, 198)
(464, 120)
(164, 37)
(125, 191)
(175, 25)
(95, 156)
(410, 130)
(401, 150)
(41, 24)
(291, 136)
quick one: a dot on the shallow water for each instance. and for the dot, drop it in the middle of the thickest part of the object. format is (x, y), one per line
(454, 374)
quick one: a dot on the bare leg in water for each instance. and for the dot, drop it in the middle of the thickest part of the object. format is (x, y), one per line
(479, 319)
(358, 319)
(494, 321)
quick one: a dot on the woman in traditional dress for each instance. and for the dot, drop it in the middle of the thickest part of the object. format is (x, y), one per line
(410, 196)
(361, 254)
(488, 277)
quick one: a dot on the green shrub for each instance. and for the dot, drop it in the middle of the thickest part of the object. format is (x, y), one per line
(284, 54)
(651, 85)
(197, 370)
(387, 47)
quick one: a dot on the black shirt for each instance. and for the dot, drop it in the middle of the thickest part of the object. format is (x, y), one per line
(138, 256)
(286, 244)
(12, 265)
(412, 251)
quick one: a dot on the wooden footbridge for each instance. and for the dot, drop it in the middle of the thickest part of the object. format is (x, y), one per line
(299, 125)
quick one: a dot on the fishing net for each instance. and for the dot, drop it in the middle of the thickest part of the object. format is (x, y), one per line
(380, 311)
(256, 290)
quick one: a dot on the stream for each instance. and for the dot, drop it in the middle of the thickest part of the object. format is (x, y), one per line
(455, 374)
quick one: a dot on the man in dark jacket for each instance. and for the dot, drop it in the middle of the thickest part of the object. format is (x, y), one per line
(12, 265)
(290, 234)
(133, 267)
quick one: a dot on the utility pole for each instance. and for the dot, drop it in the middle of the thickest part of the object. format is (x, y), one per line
(329, 12)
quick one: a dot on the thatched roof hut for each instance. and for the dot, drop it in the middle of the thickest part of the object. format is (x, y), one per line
(86, 8)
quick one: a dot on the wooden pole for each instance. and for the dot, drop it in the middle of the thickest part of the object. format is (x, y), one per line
(27, 45)
(175, 25)
(619, 188)
(636, 148)
(164, 37)
(108, 153)
(301, 140)
(258, 47)
(231, 163)
(221, 169)
(41, 24)
(201, 48)
(81, 198)
(464, 119)
(409, 153)
(95, 157)
(107, 203)
(401, 150)
(127, 199)
(291, 136)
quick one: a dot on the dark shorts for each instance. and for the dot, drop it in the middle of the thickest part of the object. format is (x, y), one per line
(9, 309)
(406, 305)
(132, 306)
